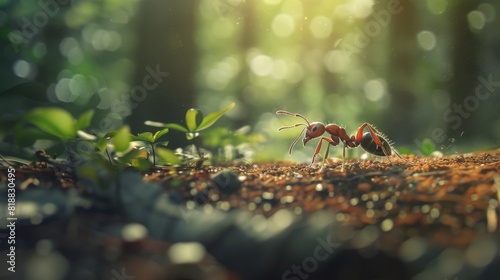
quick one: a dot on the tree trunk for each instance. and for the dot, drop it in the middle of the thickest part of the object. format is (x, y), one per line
(465, 70)
(165, 44)
(401, 74)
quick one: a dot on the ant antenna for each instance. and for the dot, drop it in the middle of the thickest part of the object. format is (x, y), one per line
(291, 126)
(295, 141)
(281, 112)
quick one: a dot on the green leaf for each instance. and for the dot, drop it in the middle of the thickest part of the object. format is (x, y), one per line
(122, 139)
(101, 143)
(159, 134)
(177, 127)
(165, 156)
(427, 147)
(27, 136)
(141, 164)
(211, 118)
(84, 120)
(131, 155)
(173, 126)
(193, 119)
(165, 143)
(145, 136)
(55, 121)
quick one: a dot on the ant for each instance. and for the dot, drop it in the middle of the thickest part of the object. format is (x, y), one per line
(372, 141)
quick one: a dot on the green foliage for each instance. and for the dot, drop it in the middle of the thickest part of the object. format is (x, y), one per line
(49, 123)
(121, 140)
(211, 118)
(135, 155)
(427, 147)
(84, 120)
(27, 136)
(167, 156)
(194, 117)
(59, 126)
(151, 139)
(55, 121)
(195, 121)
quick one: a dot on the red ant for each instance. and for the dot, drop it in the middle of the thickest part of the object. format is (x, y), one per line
(372, 141)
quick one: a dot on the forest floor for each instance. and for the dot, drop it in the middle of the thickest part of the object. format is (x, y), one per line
(448, 201)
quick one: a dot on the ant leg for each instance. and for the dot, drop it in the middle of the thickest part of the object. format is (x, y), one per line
(318, 147)
(386, 154)
(343, 158)
(326, 155)
(373, 132)
(399, 155)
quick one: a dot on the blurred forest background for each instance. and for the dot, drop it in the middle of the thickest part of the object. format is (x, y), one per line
(415, 69)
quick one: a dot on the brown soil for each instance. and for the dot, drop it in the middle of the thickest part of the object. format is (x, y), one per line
(446, 200)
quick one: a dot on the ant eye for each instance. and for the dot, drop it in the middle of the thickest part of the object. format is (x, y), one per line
(314, 128)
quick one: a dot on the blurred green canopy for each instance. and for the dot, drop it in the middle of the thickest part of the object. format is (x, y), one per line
(415, 69)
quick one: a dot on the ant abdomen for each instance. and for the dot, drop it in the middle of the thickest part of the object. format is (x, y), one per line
(369, 145)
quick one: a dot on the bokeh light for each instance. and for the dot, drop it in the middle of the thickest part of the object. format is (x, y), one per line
(283, 25)
(426, 40)
(476, 20)
(437, 7)
(22, 68)
(321, 27)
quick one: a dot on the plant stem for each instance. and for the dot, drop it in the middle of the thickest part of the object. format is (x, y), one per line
(109, 157)
(196, 144)
(154, 154)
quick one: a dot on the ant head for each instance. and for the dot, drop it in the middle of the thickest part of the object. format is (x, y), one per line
(314, 130)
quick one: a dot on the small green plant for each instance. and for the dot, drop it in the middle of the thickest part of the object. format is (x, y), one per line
(195, 122)
(64, 133)
(427, 147)
(151, 139)
(120, 140)
(136, 155)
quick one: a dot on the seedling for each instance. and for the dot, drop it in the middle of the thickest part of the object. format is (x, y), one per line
(58, 126)
(152, 140)
(137, 155)
(195, 122)
(427, 147)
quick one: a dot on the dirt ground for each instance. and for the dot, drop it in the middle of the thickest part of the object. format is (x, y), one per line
(448, 201)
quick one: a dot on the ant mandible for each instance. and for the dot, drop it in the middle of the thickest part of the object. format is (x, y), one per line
(372, 141)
